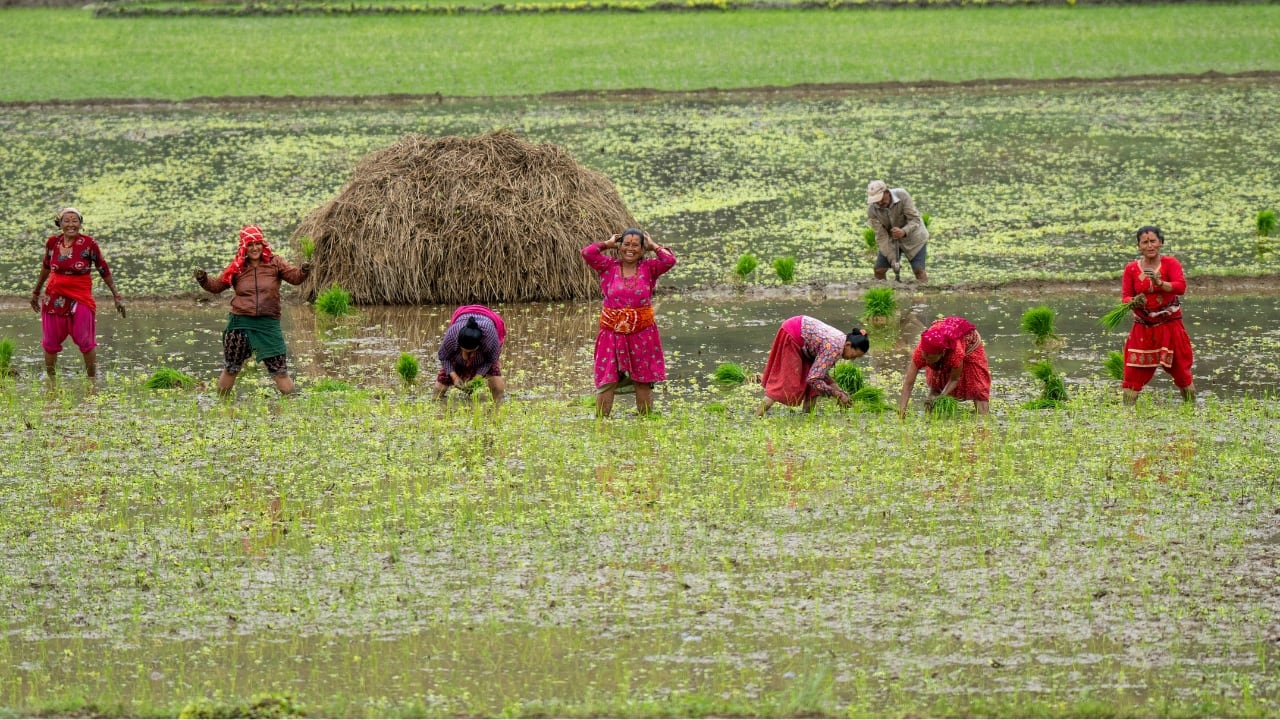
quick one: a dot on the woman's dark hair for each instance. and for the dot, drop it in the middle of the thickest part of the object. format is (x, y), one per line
(1150, 229)
(471, 335)
(857, 337)
(632, 231)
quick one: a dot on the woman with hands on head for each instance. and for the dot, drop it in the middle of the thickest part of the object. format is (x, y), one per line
(253, 325)
(67, 308)
(628, 347)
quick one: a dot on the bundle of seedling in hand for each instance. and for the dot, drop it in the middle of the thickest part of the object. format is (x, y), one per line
(863, 398)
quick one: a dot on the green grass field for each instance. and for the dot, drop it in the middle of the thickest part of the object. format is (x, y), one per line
(175, 58)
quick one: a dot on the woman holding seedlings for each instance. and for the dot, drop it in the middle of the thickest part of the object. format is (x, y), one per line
(954, 360)
(67, 308)
(628, 348)
(470, 348)
(1153, 285)
(798, 370)
(253, 326)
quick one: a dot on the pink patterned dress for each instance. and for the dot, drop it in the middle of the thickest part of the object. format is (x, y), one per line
(637, 355)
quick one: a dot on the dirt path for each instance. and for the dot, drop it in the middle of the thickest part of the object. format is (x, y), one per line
(634, 94)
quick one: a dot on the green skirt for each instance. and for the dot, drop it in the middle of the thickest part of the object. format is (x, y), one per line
(265, 336)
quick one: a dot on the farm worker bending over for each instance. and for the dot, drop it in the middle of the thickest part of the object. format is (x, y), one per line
(1153, 285)
(67, 308)
(628, 348)
(799, 366)
(955, 363)
(253, 326)
(471, 348)
(899, 230)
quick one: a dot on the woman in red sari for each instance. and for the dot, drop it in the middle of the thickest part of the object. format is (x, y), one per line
(1153, 285)
(954, 359)
(67, 308)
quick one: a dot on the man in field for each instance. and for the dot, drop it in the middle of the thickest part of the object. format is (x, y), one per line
(899, 231)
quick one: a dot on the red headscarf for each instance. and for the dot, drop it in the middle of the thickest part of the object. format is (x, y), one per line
(943, 333)
(248, 234)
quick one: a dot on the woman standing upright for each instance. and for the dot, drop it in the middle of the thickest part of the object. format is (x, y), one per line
(253, 326)
(954, 359)
(67, 308)
(1153, 286)
(628, 348)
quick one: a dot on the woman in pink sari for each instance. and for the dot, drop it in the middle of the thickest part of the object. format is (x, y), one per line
(798, 370)
(954, 359)
(628, 348)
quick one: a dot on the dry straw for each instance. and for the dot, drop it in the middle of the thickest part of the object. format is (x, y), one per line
(456, 220)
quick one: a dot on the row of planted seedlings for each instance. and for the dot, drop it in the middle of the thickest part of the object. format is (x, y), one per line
(349, 547)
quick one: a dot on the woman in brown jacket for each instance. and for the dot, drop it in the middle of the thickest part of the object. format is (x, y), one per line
(253, 327)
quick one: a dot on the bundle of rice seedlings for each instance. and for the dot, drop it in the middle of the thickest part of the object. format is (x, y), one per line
(785, 267)
(1038, 322)
(474, 385)
(880, 303)
(1114, 365)
(1053, 392)
(869, 239)
(6, 358)
(848, 376)
(1116, 315)
(407, 368)
(945, 407)
(166, 378)
(307, 246)
(334, 302)
(331, 385)
(869, 399)
(426, 221)
(927, 219)
(1266, 223)
(747, 264)
(729, 375)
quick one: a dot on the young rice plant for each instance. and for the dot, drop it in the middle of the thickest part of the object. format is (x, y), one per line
(334, 302)
(1116, 315)
(407, 368)
(6, 357)
(166, 378)
(747, 264)
(880, 304)
(1266, 223)
(729, 375)
(785, 267)
(848, 376)
(869, 239)
(1114, 365)
(1038, 322)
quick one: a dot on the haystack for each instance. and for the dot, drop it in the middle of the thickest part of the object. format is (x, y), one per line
(457, 220)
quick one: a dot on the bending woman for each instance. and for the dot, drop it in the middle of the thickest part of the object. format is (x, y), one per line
(1153, 285)
(798, 370)
(628, 348)
(253, 326)
(471, 348)
(955, 363)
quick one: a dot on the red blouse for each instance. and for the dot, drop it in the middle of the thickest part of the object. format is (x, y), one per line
(83, 257)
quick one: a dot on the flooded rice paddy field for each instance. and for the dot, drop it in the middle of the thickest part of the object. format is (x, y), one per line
(549, 350)
(365, 553)
(1020, 182)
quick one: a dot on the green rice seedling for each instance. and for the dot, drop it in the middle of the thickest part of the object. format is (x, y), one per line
(474, 385)
(1053, 392)
(869, 239)
(927, 219)
(869, 399)
(1116, 315)
(308, 247)
(166, 378)
(6, 357)
(746, 265)
(407, 367)
(785, 267)
(729, 375)
(848, 376)
(331, 385)
(1266, 223)
(880, 303)
(1038, 322)
(334, 302)
(1114, 365)
(945, 407)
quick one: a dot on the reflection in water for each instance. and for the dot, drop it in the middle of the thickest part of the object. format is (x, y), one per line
(550, 345)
